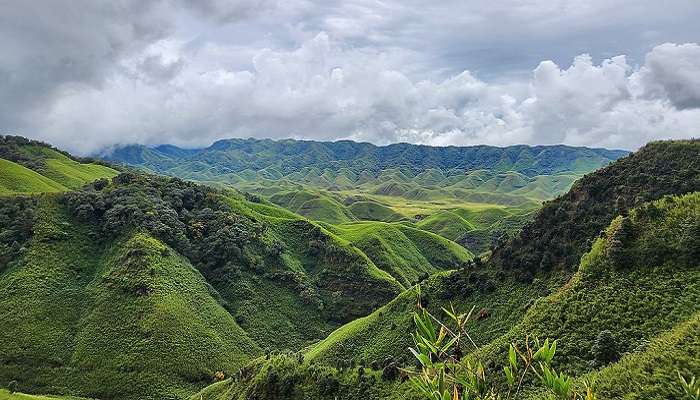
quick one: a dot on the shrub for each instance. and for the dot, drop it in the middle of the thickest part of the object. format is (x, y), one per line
(604, 349)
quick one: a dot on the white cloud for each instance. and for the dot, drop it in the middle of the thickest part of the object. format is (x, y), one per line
(324, 71)
(674, 71)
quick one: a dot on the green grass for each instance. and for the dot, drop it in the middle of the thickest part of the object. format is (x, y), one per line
(373, 211)
(402, 251)
(57, 173)
(17, 179)
(313, 205)
(5, 395)
(447, 224)
(73, 175)
(83, 319)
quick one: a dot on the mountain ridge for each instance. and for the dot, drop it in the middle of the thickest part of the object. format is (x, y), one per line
(345, 153)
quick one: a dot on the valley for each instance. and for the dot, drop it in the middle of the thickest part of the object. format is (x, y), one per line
(258, 269)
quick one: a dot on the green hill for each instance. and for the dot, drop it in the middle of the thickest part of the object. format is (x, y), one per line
(641, 281)
(562, 230)
(33, 167)
(404, 252)
(490, 288)
(100, 285)
(426, 163)
(16, 179)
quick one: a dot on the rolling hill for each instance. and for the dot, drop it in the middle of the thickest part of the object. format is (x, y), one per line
(341, 182)
(640, 280)
(99, 280)
(299, 156)
(33, 167)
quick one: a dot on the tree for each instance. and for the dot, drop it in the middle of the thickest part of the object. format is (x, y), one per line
(604, 349)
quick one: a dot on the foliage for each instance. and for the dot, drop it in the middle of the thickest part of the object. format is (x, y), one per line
(690, 387)
(563, 229)
(445, 375)
(604, 350)
(16, 223)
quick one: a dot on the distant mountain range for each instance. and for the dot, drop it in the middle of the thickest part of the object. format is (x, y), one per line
(233, 160)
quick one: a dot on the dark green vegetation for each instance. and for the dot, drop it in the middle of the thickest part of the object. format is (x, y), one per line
(564, 228)
(32, 167)
(344, 181)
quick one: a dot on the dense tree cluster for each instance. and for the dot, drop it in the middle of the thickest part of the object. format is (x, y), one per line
(191, 218)
(16, 221)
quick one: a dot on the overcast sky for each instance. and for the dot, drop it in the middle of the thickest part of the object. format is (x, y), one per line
(86, 74)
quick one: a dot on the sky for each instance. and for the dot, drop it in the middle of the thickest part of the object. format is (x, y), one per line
(88, 75)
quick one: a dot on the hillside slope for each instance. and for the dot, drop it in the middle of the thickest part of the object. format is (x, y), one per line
(505, 291)
(98, 320)
(641, 282)
(28, 166)
(563, 229)
(85, 275)
(404, 252)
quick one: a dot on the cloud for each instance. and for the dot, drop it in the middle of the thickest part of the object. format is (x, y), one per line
(673, 71)
(50, 45)
(162, 72)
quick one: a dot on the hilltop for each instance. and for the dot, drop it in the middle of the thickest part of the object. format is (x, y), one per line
(28, 166)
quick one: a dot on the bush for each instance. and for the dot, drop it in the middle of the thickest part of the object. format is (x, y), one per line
(604, 349)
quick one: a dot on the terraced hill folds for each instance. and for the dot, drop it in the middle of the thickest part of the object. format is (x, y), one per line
(342, 182)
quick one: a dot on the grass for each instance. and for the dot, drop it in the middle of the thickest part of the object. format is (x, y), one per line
(73, 175)
(100, 321)
(59, 173)
(17, 179)
(5, 395)
(404, 252)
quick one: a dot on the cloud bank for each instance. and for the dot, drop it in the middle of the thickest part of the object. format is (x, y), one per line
(86, 77)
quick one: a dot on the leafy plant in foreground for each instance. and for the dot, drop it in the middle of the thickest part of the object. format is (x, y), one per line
(691, 387)
(444, 375)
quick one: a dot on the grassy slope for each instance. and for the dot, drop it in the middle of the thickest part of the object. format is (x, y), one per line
(313, 205)
(73, 174)
(58, 172)
(447, 224)
(5, 395)
(402, 251)
(654, 291)
(652, 297)
(15, 178)
(100, 322)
